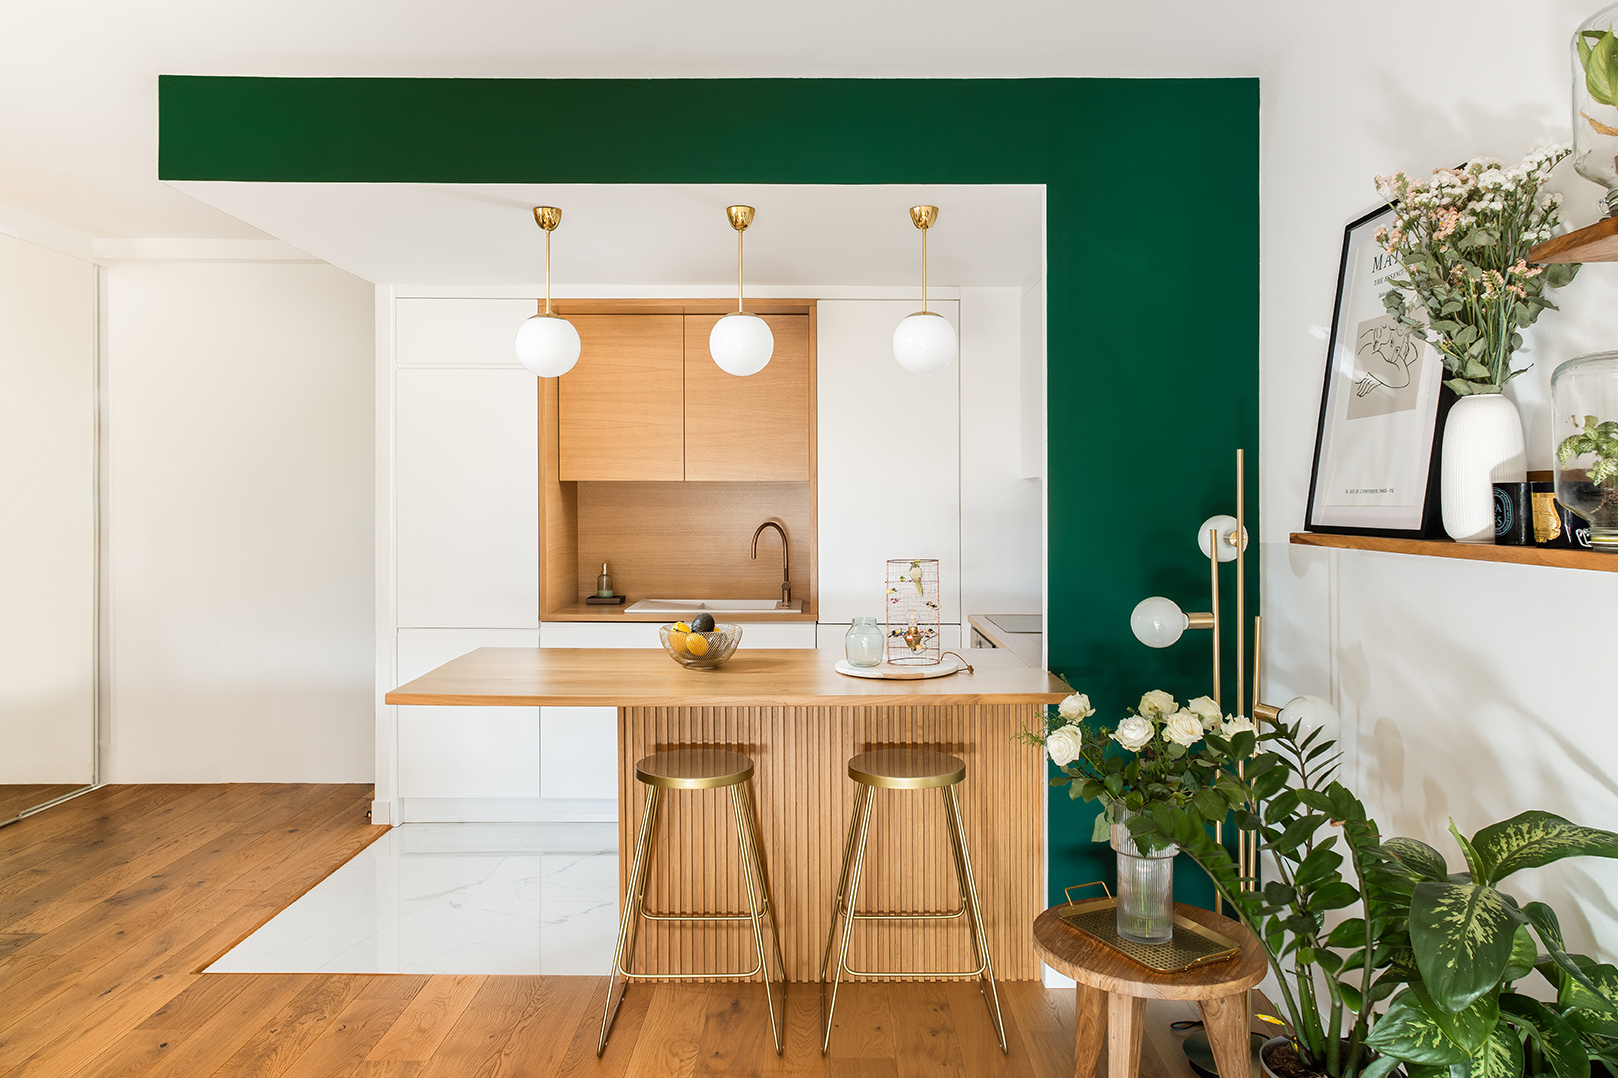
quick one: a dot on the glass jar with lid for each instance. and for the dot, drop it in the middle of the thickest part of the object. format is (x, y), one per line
(1595, 103)
(1584, 428)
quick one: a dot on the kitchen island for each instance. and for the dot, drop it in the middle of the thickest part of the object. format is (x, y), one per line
(800, 721)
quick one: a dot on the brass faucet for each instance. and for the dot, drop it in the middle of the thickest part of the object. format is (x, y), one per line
(786, 585)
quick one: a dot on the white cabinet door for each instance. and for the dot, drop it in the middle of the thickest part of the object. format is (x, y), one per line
(465, 752)
(467, 498)
(889, 444)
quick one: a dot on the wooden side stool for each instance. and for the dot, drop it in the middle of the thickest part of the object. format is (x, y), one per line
(1113, 991)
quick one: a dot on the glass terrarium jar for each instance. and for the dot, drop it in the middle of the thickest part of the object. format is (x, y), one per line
(1584, 399)
(1595, 103)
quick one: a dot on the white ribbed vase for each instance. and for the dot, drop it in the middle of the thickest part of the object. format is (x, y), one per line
(1483, 445)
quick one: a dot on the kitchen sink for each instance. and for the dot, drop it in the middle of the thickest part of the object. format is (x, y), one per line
(716, 607)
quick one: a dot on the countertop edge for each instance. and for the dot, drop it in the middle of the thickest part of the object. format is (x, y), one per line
(763, 700)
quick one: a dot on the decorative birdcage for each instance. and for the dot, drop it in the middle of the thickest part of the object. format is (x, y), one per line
(913, 616)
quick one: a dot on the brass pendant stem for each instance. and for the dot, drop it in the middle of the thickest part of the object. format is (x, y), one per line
(739, 293)
(924, 271)
(547, 271)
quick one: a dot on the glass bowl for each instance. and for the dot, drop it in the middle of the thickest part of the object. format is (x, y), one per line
(715, 648)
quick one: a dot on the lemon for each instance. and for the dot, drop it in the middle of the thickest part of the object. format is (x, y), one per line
(697, 645)
(680, 627)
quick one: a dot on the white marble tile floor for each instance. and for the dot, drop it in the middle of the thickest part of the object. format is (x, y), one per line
(499, 898)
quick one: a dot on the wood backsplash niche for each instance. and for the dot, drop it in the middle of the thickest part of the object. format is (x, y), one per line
(683, 538)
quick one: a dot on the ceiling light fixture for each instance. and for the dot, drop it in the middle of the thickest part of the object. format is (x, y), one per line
(924, 343)
(740, 343)
(547, 344)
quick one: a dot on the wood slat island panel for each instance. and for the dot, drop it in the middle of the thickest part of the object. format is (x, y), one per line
(803, 797)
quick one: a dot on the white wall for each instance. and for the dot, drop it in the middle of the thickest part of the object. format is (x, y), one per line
(48, 539)
(1468, 690)
(239, 523)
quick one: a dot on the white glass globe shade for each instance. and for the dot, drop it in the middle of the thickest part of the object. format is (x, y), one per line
(1157, 622)
(1226, 525)
(547, 345)
(924, 343)
(1313, 712)
(741, 344)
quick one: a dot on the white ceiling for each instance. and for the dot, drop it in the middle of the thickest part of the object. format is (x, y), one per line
(652, 235)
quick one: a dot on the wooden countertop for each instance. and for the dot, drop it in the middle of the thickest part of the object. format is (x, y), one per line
(602, 677)
(585, 612)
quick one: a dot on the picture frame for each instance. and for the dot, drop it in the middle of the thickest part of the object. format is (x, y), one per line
(1376, 466)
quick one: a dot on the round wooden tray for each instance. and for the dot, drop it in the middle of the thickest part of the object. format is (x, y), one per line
(888, 672)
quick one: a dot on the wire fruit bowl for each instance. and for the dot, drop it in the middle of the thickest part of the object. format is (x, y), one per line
(701, 651)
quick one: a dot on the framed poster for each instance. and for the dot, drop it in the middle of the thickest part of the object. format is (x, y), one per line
(1376, 466)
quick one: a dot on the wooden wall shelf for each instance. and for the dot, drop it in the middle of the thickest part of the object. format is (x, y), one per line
(1444, 548)
(1597, 243)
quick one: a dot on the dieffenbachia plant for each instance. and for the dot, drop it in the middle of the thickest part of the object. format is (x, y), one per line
(1471, 941)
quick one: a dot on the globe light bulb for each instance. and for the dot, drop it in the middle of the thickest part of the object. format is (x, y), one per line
(1158, 622)
(1313, 713)
(547, 345)
(924, 343)
(1226, 526)
(741, 344)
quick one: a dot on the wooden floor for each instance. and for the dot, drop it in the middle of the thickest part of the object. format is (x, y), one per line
(20, 797)
(111, 902)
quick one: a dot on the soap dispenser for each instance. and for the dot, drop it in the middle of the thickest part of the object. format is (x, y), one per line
(604, 584)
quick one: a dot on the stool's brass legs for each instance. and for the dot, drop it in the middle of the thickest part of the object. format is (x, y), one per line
(858, 830)
(969, 893)
(629, 921)
(846, 905)
(758, 907)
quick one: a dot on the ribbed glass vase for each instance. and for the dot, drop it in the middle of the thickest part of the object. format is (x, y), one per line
(1145, 886)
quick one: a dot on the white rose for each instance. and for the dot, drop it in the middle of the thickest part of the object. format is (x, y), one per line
(1075, 707)
(1235, 724)
(1064, 745)
(1156, 704)
(1134, 732)
(1184, 728)
(1204, 708)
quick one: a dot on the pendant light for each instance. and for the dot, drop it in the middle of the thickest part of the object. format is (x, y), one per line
(547, 344)
(924, 343)
(740, 343)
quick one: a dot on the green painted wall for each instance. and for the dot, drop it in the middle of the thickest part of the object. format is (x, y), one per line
(1152, 248)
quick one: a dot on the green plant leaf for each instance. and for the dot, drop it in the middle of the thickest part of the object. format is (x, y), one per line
(1420, 858)
(1380, 1067)
(1351, 996)
(1473, 866)
(1349, 933)
(1534, 839)
(1592, 1010)
(1462, 936)
(1523, 955)
(1101, 830)
(1469, 1027)
(1500, 1057)
(1410, 1033)
(1558, 1041)
(1320, 864)
(1334, 896)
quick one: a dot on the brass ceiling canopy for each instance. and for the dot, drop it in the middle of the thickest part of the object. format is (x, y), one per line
(547, 217)
(923, 217)
(740, 217)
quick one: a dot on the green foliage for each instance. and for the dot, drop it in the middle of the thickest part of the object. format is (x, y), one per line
(1447, 947)
(1463, 239)
(1598, 53)
(1598, 438)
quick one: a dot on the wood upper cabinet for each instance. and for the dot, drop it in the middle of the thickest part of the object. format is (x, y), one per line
(620, 411)
(757, 428)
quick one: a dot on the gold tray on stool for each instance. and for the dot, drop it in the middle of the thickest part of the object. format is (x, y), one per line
(1191, 948)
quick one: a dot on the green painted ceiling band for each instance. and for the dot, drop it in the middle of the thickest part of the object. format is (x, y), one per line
(1151, 275)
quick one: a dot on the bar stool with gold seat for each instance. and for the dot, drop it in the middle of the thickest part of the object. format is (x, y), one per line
(905, 769)
(694, 769)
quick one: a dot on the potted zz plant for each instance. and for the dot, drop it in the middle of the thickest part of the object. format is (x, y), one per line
(1159, 754)
(1445, 950)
